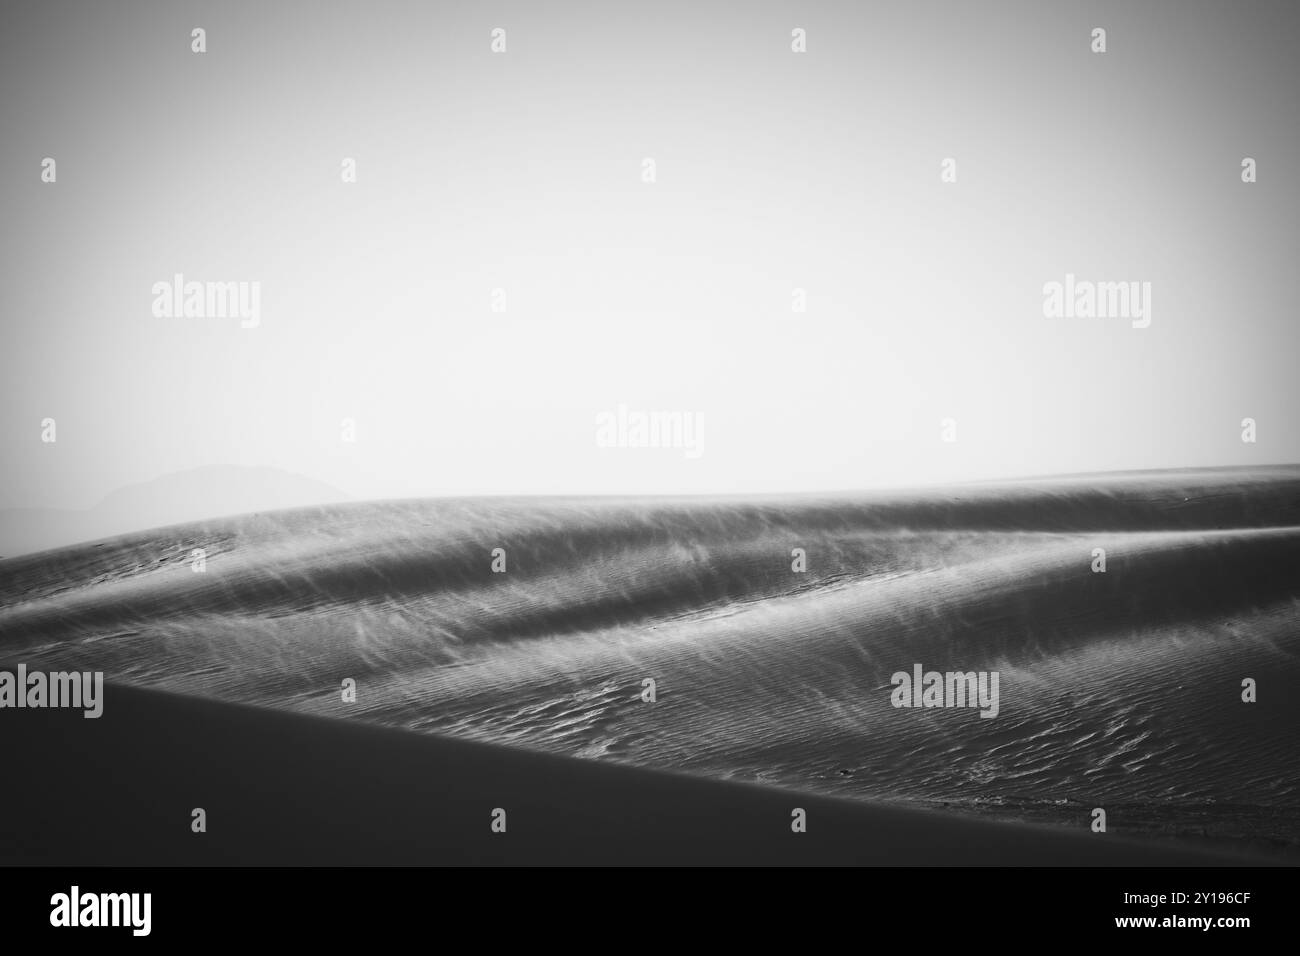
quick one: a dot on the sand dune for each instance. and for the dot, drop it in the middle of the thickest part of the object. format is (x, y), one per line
(1118, 689)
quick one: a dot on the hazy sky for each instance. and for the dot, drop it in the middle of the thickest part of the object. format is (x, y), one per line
(523, 171)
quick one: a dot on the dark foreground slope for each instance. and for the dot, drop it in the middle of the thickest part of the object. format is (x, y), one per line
(291, 790)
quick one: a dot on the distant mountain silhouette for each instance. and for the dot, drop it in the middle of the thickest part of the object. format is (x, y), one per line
(196, 494)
